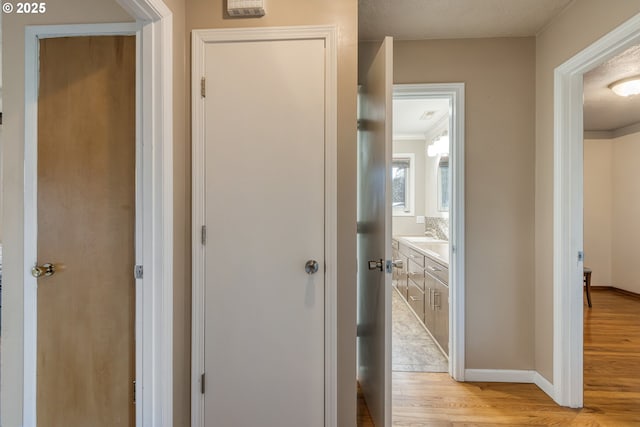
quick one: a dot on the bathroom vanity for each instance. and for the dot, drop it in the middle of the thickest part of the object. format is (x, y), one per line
(422, 279)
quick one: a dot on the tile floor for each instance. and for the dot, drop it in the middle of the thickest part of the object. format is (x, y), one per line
(413, 349)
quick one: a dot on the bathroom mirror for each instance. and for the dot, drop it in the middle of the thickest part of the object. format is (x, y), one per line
(443, 184)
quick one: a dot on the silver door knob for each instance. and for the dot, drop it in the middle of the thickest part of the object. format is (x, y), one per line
(376, 265)
(311, 266)
(397, 263)
(44, 270)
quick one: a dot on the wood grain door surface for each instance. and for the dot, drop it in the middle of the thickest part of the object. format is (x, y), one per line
(86, 221)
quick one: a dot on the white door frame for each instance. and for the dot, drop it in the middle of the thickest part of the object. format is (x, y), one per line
(455, 93)
(199, 40)
(568, 209)
(154, 205)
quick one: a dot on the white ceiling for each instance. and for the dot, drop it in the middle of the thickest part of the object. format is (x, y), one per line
(416, 118)
(603, 109)
(447, 19)
(450, 19)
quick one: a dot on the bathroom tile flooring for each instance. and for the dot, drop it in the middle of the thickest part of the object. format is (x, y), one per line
(413, 349)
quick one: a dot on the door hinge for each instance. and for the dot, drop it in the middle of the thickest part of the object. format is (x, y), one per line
(203, 234)
(203, 87)
(134, 392)
(202, 383)
(138, 272)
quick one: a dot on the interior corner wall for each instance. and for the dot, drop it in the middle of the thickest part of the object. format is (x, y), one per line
(577, 27)
(13, 32)
(499, 178)
(181, 219)
(626, 211)
(208, 14)
(598, 204)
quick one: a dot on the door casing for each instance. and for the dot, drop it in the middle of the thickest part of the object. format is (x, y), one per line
(567, 388)
(455, 93)
(154, 206)
(199, 40)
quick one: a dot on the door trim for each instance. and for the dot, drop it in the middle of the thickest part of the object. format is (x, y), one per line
(154, 205)
(568, 209)
(455, 92)
(199, 40)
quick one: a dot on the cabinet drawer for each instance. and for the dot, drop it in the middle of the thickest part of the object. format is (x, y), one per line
(416, 273)
(438, 271)
(416, 257)
(403, 249)
(416, 300)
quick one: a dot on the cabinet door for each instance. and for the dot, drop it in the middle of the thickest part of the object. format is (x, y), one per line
(416, 273)
(402, 278)
(416, 300)
(395, 271)
(441, 305)
(429, 314)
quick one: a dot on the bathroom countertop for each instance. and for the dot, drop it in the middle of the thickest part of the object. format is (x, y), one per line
(438, 250)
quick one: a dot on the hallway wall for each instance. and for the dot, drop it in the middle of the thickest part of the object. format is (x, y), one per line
(581, 24)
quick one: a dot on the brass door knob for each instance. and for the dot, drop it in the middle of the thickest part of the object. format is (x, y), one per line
(44, 270)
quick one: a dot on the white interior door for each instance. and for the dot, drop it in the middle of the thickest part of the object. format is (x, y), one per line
(264, 209)
(374, 235)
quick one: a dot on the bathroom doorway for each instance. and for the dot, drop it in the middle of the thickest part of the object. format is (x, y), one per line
(420, 230)
(427, 229)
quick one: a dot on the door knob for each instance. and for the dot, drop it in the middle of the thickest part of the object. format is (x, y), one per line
(376, 265)
(397, 263)
(311, 266)
(44, 270)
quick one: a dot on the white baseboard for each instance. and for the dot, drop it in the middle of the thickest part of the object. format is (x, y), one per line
(499, 375)
(544, 384)
(509, 376)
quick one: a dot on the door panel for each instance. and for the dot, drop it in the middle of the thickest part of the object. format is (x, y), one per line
(86, 219)
(264, 211)
(374, 235)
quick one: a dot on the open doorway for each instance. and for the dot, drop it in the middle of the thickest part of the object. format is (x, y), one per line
(420, 230)
(569, 204)
(611, 229)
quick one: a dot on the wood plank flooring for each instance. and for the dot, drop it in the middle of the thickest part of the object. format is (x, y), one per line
(611, 377)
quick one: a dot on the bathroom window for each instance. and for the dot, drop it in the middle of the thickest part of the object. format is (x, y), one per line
(402, 184)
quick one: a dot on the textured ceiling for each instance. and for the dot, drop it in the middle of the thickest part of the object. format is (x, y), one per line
(415, 118)
(447, 19)
(603, 109)
(450, 19)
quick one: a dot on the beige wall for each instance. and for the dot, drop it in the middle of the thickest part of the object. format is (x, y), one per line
(406, 225)
(611, 210)
(85, 11)
(626, 211)
(181, 219)
(499, 148)
(598, 203)
(343, 14)
(72, 11)
(576, 28)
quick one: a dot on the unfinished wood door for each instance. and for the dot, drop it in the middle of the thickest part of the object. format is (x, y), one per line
(86, 221)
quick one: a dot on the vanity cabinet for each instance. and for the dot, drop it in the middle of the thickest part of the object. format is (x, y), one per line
(423, 283)
(400, 252)
(436, 310)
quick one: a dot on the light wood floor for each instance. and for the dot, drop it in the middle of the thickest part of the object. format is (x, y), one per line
(611, 377)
